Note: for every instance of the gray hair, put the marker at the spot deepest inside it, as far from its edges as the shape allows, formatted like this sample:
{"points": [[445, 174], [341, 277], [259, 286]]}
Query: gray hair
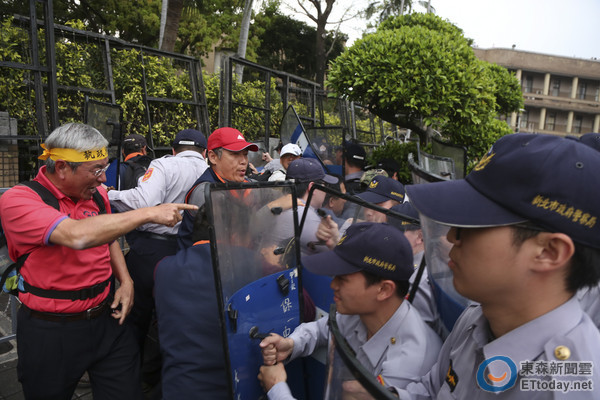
{"points": [[218, 152], [75, 136]]}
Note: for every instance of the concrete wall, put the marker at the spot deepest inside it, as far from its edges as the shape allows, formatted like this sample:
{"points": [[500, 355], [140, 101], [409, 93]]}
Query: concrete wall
{"points": [[565, 66]]}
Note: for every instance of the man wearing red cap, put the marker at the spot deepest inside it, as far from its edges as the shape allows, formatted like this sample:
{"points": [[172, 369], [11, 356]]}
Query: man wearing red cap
{"points": [[228, 160]]}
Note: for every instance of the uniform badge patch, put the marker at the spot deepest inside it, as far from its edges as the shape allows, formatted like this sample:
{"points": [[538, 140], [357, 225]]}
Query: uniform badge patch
{"points": [[451, 378], [148, 174]]}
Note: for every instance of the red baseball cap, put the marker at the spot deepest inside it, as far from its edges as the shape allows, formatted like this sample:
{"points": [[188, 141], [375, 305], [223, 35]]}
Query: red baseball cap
{"points": [[230, 139]]}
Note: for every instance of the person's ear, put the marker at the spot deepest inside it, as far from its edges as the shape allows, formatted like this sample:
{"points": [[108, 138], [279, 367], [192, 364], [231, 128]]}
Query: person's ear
{"points": [[62, 168], [554, 250], [387, 289], [420, 239], [212, 157]]}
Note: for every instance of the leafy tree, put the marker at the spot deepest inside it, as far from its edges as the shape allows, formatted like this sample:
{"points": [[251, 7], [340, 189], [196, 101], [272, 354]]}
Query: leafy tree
{"points": [[211, 92], [508, 93], [319, 11], [419, 71], [133, 21], [429, 21], [243, 38], [286, 44], [383, 9], [17, 97], [199, 26], [398, 152], [170, 17]]}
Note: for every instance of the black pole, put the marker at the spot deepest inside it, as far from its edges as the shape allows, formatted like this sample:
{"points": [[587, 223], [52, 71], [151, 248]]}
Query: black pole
{"points": [[415, 285]]}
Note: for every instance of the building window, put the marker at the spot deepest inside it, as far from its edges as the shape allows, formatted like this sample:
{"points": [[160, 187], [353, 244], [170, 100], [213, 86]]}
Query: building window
{"points": [[524, 119], [597, 96], [577, 124], [550, 121], [582, 90], [555, 87], [528, 84]]}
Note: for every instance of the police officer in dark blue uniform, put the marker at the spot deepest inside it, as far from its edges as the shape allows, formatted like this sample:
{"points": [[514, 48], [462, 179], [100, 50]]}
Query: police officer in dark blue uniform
{"points": [[188, 322]]}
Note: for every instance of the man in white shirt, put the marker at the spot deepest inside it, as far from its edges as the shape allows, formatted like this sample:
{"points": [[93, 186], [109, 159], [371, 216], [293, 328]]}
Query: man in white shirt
{"points": [[289, 153]]}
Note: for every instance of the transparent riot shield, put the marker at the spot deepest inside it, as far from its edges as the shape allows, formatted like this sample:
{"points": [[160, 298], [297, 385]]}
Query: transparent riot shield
{"points": [[255, 157], [315, 210], [318, 286], [292, 131], [256, 273], [326, 141], [449, 303], [347, 379]]}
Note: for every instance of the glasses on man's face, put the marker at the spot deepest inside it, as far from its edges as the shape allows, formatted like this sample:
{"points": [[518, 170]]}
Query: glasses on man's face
{"points": [[99, 171]]}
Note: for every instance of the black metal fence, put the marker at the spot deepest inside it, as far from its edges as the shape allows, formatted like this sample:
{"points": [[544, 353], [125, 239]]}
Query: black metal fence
{"points": [[273, 91], [49, 72]]}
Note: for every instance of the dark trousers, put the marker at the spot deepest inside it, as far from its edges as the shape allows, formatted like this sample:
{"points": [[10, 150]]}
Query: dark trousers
{"points": [[144, 253], [54, 355]]}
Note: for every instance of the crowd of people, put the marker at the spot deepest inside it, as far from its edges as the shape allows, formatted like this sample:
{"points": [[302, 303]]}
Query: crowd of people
{"points": [[520, 233]]}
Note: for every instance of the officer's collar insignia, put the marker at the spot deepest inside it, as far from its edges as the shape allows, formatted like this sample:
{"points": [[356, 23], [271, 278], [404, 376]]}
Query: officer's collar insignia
{"points": [[451, 378]]}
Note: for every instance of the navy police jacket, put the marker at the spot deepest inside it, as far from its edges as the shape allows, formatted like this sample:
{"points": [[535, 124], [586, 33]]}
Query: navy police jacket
{"points": [[184, 235], [188, 326]]}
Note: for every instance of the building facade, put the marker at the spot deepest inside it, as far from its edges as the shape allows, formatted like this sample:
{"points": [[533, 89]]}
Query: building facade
{"points": [[561, 94]]}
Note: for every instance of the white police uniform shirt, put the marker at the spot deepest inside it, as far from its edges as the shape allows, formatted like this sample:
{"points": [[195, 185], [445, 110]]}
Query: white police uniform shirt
{"points": [[272, 165], [424, 301], [278, 175], [565, 336], [400, 352], [283, 229], [589, 298], [167, 180]]}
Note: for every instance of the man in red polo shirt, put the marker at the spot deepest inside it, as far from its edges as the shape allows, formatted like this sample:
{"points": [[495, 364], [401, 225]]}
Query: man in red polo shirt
{"points": [[72, 318]]}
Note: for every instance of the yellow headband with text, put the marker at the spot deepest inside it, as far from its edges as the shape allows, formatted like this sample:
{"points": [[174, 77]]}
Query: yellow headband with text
{"points": [[72, 155]]}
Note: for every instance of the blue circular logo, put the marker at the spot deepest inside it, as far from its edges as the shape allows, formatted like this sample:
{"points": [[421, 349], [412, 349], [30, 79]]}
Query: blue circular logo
{"points": [[497, 384]]}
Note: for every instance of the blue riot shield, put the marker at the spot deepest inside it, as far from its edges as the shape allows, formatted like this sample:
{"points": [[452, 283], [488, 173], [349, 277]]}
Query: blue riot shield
{"points": [[256, 277]]}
